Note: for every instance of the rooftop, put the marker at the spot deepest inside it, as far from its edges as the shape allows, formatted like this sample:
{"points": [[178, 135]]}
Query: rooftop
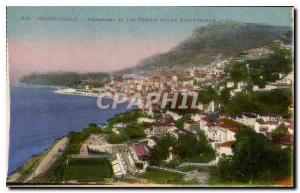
{"points": [[140, 150], [227, 144]]}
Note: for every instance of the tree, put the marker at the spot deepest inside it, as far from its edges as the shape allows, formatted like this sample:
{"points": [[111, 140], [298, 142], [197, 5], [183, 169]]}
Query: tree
{"points": [[160, 151], [225, 95], [281, 129], [207, 95], [255, 159], [260, 120], [276, 102]]}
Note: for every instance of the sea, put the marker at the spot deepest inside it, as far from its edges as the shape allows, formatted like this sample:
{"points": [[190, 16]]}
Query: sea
{"points": [[39, 116]]}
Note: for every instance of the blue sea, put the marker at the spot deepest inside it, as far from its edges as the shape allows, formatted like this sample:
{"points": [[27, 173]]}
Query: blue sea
{"points": [[38, 117]]}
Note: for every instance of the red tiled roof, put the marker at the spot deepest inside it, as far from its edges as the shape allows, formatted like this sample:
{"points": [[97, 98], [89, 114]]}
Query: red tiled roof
{"points": [[140, 150], [227, 144]]}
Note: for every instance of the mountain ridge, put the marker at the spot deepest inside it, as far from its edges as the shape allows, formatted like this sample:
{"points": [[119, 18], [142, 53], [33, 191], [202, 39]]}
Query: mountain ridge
{"points": [[216, 41]]}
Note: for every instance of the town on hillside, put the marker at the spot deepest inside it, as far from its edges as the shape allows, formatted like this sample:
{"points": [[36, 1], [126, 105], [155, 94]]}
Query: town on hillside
{"points": [[242, 131]]}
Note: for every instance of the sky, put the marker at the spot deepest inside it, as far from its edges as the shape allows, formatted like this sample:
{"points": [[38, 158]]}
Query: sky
{"points": [[36, 44]]}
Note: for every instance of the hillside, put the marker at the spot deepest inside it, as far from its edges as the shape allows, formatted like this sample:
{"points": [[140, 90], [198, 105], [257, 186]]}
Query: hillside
{"points": [[70, 79], [216, 41]]}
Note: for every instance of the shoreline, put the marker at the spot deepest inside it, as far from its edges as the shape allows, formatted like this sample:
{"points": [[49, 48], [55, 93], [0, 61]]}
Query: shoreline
{"points": [[70, 91], [15, 176]]}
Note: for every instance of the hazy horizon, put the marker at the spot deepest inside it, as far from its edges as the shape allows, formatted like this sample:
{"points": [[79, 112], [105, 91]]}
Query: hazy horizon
{"points": [[84, 46]]}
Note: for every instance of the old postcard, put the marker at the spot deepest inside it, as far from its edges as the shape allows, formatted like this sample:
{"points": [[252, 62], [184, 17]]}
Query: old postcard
{"points": [[151, 96]]}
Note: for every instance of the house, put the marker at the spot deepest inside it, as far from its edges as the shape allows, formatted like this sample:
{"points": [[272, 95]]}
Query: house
{"points": [[230, 84], [269, 117], [225, 148], [116, 130], [149, 131], [120, 125], [266, 127], [173, 154], [192, 126], [222, 132], [247, 119], [152, 140], [176, 133], [145, 120], [140, 151]]}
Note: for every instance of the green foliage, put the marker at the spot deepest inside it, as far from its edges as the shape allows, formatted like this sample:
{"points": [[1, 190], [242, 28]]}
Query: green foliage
{"points": [[131, 131], [117, 138], [190, 168], [160, 151], [26, 170], [127, 117], [81, 170], [69, 79], [88, 169], [180, 122], [193, 149], [281, 129], [164, 177], [260, 120], [263, 70], [276, 101], [55, 173], [76, 139], [224, 95], [254, 159], [207, 95], [238, 72]]}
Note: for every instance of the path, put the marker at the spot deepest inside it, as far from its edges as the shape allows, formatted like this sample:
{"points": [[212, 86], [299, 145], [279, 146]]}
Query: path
{"points": [[53, 154]]}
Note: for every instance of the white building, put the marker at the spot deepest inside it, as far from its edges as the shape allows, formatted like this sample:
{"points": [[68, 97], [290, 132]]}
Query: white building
{"points": [[230, 84], [266, 127], [152, 141], [226, 148]]}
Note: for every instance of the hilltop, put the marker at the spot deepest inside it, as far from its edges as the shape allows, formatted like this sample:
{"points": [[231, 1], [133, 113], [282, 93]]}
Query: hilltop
{"points": [[214, 42]]}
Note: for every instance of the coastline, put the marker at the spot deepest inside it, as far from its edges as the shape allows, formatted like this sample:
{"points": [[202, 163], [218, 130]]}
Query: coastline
{"points": [[16, 175], [33, 165], [70, 91]]}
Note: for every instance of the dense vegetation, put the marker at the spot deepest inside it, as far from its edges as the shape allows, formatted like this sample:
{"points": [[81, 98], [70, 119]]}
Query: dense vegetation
{"points": [[88, 169], [160, 151], [92, 170], [272, 102], [255, 159], [131, 130], [281, 129], [77, 138], [127, 117], [191, 149], [264, 69], [69, 79], [63, 170]]}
